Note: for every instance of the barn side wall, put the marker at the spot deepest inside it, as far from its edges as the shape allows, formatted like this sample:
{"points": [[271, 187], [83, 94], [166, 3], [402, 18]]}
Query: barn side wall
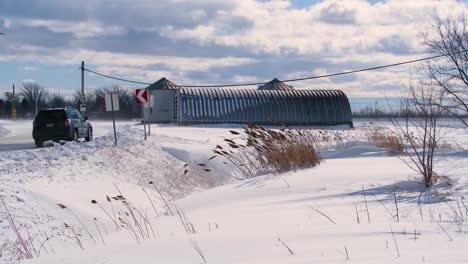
{"points": [[266, 107]]}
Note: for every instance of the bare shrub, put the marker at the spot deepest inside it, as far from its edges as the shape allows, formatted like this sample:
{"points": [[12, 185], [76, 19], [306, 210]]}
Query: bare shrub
{"points": [[421, 135]]}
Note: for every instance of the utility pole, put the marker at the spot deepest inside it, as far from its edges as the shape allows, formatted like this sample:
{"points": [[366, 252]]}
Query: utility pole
{"points": [[82, 80], [82, 101], [13, 104]]}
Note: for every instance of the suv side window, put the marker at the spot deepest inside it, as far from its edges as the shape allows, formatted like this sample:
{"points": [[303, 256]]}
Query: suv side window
{"points": [[78, 114], [69, 113], [73, 114]]}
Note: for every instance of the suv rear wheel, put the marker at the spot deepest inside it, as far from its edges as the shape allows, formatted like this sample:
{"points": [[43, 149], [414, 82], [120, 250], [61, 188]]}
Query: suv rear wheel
{"points": [[90, 135], [75, 135], [39, 143]]}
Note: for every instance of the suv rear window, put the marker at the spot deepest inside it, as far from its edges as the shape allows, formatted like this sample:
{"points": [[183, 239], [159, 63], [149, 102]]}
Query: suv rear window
{"points": [[50, 116]]}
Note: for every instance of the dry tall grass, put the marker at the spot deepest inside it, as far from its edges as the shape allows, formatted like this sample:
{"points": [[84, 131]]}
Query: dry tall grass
{"points": [[26, 246], [386, 139], [258, 149], [283, 150]]}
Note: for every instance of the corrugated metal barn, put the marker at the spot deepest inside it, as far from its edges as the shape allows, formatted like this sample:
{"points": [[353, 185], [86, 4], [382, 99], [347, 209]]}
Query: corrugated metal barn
{"points": [[273, 103]]}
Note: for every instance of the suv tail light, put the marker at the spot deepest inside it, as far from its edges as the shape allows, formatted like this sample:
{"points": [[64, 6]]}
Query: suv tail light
{"points": [[67, 122]]}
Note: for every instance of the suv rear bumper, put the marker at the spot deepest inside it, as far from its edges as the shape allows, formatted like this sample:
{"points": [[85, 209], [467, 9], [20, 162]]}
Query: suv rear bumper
{"points": [[44, 136]]}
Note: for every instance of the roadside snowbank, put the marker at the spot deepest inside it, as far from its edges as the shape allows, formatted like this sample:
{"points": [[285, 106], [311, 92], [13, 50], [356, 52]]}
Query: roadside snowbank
{"points": [[35, 181]]}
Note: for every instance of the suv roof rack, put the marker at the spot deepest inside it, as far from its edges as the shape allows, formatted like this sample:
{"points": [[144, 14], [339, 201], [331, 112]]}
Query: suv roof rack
{"points": [[59, 108]]}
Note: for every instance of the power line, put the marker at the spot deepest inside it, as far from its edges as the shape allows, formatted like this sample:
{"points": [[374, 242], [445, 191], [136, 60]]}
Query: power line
{"points": [[372, 68], [292, 80], [70, 73], [115, 78]]}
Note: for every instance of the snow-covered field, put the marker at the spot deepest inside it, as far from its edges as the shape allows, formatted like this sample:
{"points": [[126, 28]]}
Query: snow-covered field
{"points": [[317, 215]]}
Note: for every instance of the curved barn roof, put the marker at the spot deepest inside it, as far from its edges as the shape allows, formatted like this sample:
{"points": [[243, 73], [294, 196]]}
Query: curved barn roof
{"points": [[275, 84], [163, 84], [276, 106]]}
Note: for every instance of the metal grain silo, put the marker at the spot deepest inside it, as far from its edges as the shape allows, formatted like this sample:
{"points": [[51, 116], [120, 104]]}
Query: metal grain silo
{"points": [[161, 104]]}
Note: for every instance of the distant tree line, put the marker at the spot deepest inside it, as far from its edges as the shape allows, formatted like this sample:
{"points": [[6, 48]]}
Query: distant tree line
{"points": [[33, 97], [401, 111]]}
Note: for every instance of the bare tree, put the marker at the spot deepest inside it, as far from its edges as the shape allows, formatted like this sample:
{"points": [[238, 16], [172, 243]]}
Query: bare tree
{"points": [[8, 96], [420, 135], [57, 100], [35, 94], [449, 37], [88, 99]]}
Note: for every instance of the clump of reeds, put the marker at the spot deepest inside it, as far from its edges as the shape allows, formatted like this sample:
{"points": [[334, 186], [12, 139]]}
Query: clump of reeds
{"points": [[134, 220], [258, 149], [91, 236], [26, 246], [386, 139]]}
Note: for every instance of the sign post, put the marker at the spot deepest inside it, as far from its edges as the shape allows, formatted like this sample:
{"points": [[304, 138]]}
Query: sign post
{"points": [[141, 97], [13, 104], [150, 114], [112, 104], [144, 127]]}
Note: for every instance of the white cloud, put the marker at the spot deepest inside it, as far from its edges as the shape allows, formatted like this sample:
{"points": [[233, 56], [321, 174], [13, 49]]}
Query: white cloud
{"points": [[329, 27], [173, 63], [6, 23], [28, 68], [243, 79], [80, 29]]}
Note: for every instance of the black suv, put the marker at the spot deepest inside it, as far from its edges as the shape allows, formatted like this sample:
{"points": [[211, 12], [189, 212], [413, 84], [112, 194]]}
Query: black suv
{"points": [[60, 124]]}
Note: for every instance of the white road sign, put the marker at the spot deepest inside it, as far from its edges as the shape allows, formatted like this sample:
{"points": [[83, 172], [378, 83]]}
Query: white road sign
{"points": [[112, 102], [150, 102]]}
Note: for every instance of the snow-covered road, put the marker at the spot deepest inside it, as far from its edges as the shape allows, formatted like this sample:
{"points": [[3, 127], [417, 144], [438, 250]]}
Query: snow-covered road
{"points": [[17, 135]]}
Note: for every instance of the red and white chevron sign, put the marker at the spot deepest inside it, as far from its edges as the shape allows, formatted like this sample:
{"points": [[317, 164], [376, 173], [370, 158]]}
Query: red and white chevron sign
{"points": [[141, 96]]}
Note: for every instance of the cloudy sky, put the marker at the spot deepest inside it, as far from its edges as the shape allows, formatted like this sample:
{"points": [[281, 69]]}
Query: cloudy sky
{"points": [[212, 41]]}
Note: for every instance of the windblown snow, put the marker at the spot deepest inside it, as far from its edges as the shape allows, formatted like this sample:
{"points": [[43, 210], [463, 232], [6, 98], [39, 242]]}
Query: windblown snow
{"points": [[3, 131], [342, 210]]}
